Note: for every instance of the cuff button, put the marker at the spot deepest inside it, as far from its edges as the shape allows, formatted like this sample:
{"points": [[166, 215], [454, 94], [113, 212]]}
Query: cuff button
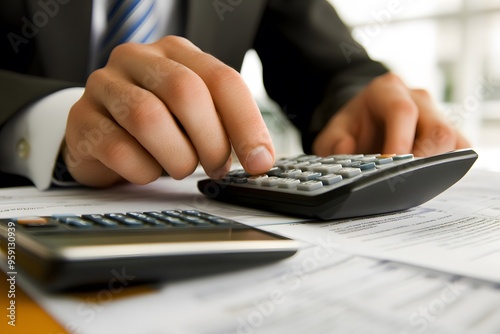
{"points": [[23, 149]]}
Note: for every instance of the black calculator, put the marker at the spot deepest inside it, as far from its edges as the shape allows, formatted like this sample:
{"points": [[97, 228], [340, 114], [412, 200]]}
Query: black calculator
{"points": [[342, 186], [71, 251]]}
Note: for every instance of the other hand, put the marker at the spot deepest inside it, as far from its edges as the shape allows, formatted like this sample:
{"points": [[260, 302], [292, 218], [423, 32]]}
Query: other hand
{"points": [[388, 117]]}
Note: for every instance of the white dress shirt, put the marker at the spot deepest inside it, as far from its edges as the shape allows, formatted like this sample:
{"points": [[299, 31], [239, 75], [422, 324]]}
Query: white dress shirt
{"points": [[32, 138]]}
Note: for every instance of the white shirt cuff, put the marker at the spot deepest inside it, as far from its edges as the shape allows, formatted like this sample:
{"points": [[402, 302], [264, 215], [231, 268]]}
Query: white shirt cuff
{"points": [[31, 139]]}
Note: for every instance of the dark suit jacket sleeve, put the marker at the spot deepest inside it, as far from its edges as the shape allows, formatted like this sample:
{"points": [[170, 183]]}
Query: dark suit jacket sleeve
{"points": [[19, 90], [312, 66]]}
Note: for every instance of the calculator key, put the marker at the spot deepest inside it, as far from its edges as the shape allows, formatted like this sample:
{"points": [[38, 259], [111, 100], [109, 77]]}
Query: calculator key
{"points": [[281, 163], [383, 161], [311, 166], [63, 217], [299, 165], [306, 176], [240, 180], [329, 179], [194, 213], [256, 179], [125, 220], [402, 157], [145, 218], [348, 172], [328, 168], [208, 218], [274, 171], [368, 159], [173, 213], [363, 165], [344, 162], [291, 173], [287, 165], [220, 221], [309, 158], [197, 221], [237, 173], [35, 222], [171, 220], [339, 156], [355, 156], [101, 220], [288, 183], [310, 185], [177, 222], [78, 222], [271, 181], [227, 179]]}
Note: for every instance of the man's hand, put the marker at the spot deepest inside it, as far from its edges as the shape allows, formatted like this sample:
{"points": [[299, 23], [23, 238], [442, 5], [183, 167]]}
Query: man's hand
{"points": [[388, 117], [163, 106]]}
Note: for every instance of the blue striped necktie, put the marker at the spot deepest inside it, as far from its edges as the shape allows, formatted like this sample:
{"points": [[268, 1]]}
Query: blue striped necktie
{"points": [[128, 21]]}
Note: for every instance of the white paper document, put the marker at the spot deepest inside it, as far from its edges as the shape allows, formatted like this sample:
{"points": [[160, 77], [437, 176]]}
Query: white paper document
{"points": [[457, 232], [319, 290]]}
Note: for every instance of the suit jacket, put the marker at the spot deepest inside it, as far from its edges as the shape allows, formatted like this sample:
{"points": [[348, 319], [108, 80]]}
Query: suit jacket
{"points": [[311, 64]]}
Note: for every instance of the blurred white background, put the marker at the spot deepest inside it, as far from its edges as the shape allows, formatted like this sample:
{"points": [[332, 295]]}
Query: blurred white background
{"points": [[449, 47]]}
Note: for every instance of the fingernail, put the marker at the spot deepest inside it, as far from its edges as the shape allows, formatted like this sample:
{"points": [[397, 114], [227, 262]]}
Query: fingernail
{"points": [[221, 172], [259, 160]]}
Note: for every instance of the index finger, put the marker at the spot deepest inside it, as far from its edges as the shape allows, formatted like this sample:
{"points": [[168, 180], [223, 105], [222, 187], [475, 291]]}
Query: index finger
{"points": [[233, 101], [391, 101]]}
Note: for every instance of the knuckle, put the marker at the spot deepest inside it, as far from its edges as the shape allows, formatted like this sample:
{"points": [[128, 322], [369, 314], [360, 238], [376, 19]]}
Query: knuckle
{"points": [[117, 151], [442, 133], [76, 110], [111, 87], [407, 107], [421, 94], [225, 77], [122, 50], [187, 84], [146, 113], [390, 77], [125, 101], [183, 168], [172, 42], [97, 77]]}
